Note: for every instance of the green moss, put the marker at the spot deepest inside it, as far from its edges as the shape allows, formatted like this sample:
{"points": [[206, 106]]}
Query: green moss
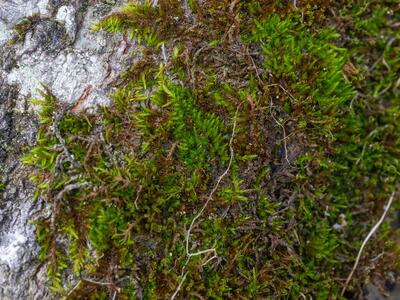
{"points": [[2, 185], [23, 27], [315, 142]]}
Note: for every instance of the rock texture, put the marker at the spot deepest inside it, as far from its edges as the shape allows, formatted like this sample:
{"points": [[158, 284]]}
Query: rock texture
{"points": [[57, 49]]}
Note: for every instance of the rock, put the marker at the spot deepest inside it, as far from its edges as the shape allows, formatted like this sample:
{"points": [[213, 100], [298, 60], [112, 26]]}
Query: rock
{"points": [[18, 248], [49, 37], [60, 51], [66, 14]]}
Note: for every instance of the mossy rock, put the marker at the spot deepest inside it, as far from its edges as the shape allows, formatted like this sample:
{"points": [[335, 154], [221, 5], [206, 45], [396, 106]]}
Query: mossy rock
{"points": [[246, 156]]}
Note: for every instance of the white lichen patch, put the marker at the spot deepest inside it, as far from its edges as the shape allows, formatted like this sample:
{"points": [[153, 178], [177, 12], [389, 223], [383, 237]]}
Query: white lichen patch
{"points": [[87, 65], [66, 14], [10, 246], [67, 76], [13, 11], [5, 33]]}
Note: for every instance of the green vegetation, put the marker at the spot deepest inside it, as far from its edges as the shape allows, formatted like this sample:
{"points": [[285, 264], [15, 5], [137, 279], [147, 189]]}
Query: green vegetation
{"points": [[246, 156], [23, 27]]}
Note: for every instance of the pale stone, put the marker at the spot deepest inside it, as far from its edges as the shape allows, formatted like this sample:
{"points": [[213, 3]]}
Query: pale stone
{"points": [[62, 52]]}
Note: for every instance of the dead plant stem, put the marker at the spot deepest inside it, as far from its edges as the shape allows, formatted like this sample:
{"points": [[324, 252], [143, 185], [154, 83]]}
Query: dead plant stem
{"points": [[200, 213], [367, 238]]}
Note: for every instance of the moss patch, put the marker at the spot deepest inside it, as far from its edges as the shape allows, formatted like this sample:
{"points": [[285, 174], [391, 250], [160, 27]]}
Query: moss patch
{"points": [[245, 156]]}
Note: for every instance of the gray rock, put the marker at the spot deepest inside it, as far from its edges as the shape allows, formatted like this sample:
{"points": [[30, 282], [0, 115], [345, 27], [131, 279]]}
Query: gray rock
{"points": [[61, 51], [18, 249], [49, 37]]}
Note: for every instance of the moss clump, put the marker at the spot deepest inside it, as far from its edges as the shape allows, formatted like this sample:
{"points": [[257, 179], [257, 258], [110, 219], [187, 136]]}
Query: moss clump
{"points": [[237, 167], [23, 27]]}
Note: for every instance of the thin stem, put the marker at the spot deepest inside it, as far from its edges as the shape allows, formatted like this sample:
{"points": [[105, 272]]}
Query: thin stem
{"points": [[373, 230], [200, 213]]}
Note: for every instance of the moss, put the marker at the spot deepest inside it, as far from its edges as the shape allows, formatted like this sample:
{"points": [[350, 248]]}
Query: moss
{"points": [[297, 118], [23, 27], [2, 185]]}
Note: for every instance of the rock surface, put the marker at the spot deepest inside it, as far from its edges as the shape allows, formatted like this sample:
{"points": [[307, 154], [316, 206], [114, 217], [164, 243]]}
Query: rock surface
{"points": [[57, 49]]}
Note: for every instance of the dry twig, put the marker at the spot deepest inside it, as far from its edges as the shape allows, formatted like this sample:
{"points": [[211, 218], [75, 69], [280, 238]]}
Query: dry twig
{"points": [[73, 289], [283, 132], [179, 286], [108, 284], [370, 234], [200, 213], [209, 198]]}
